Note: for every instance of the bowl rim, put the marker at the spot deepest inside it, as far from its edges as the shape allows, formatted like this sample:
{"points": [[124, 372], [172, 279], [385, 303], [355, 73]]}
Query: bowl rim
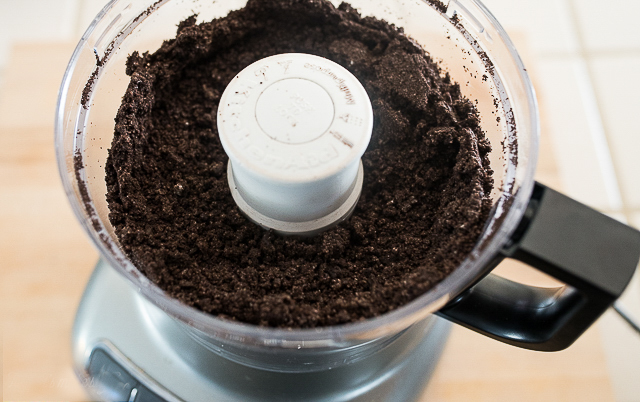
{"points": [[513, 203]]}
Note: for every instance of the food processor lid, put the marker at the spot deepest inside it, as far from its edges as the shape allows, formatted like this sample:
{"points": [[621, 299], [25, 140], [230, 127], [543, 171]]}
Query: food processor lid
{"points": [[294, 127]]}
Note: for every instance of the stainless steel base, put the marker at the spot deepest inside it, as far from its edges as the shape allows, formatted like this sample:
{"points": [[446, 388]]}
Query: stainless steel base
{"points": [[125, 348]]}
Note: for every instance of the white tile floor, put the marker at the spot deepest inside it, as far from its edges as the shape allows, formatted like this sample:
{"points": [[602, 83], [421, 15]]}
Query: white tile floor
{"points": [[576, 132], [587, 59], [608, 26], [48, 20], [617, 86], [548, 23]]}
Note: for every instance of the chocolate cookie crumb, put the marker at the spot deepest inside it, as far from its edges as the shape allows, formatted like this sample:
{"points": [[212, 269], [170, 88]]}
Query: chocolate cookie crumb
{"points": [[426, 189]]}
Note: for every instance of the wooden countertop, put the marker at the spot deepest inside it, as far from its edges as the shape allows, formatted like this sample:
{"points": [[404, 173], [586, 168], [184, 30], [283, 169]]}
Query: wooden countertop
{"points": [[46, 259]]}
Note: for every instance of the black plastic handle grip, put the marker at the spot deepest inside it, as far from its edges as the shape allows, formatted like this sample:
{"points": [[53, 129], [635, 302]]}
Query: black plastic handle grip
{"points": [[594, 255]]}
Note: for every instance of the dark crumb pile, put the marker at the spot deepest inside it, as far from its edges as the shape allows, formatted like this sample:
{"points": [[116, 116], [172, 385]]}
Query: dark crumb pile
{"points": [[426, 189]]}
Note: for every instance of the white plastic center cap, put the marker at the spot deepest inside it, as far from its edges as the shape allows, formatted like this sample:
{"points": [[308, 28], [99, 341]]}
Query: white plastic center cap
{"points": [[294, 111], [295, 127]]}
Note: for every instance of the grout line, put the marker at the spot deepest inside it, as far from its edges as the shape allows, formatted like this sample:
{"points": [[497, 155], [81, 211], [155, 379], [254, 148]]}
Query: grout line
{"points": [[599, 136], [613, 53], [595, 108], [557, 55], [588, 54]]}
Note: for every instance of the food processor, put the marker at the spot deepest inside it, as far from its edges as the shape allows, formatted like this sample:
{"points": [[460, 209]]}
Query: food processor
{"points": [[133, 342]]}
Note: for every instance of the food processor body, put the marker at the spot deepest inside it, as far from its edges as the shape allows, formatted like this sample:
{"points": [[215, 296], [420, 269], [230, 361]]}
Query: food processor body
{"points": [[132, 341], [123, 345]]}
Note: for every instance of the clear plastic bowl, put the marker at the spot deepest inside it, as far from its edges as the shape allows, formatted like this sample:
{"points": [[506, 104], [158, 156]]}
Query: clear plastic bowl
{"points": [[468, 43]]}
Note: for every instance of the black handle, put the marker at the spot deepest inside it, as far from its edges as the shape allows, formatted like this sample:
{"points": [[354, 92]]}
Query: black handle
{"points": [[594, 255]]}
